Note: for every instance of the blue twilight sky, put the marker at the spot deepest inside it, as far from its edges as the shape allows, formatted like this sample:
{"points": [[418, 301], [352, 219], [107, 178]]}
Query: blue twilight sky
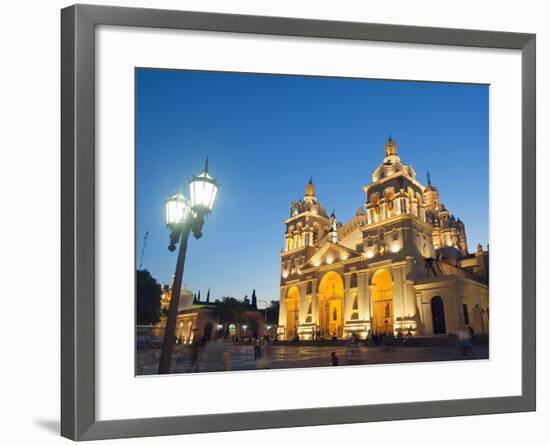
{"points": [[265, 135]]}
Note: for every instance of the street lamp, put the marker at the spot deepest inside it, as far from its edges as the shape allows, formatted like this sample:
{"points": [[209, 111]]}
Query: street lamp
{"points": [[203, 191], [182, 217], [265, 310], [178, 213]]}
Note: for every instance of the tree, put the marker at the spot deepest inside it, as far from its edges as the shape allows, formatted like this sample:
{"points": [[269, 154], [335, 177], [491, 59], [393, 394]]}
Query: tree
{"points": [[252, 325], [148, 293], [273, 312], [199, 297], [231, 310], [208, 296], [254, 300]]}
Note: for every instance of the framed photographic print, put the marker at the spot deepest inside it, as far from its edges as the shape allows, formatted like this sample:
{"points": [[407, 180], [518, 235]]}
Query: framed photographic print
{"points": [[336, 217]]}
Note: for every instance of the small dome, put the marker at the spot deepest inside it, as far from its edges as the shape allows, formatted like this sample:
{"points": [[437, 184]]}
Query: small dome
{"points": [[186, 299]]}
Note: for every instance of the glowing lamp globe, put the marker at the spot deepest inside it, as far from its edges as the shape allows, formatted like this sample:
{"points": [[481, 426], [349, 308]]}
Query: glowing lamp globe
{"points": [[178, 209], [203, 188]]}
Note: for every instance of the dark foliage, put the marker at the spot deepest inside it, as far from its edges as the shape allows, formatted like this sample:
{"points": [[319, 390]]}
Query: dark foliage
{"points": [[148, 298]]}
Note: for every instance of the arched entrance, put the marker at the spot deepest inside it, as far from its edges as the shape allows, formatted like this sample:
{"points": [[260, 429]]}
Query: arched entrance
{"points": [[331, 297], [292, 312], [189, 331], [180, 335], [382, 302], [438, 315]]}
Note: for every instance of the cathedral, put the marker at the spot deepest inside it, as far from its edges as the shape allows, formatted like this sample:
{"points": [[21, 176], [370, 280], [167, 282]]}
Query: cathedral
{"points": [[400, 264]]}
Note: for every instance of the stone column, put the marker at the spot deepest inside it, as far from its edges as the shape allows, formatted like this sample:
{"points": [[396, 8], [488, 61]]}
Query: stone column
{"points": [[414, 207], [477, 319], [347, 297], [371, 288], [303, 302], [314, 301], [452, 307], [421, 327], [282, 307], [363, 296], [383, 211], [399, 293]]}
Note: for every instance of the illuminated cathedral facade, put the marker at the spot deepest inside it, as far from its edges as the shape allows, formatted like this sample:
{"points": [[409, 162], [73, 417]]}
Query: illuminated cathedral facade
{"points": [[400, 264]]}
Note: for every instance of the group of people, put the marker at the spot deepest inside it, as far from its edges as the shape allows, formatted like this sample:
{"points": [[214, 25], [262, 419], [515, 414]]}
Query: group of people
{"points": [[378, 338], [318, 335]]}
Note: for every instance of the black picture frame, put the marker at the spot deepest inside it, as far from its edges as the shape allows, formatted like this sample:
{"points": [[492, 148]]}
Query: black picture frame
{"points": [[78, 23]]}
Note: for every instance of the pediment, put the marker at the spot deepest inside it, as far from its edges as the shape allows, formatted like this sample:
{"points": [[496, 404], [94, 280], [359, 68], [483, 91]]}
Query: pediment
{"points": [[331, 253]]}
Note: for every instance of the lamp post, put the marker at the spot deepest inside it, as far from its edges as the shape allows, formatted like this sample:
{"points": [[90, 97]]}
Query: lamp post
{"points": [[183, 216], [265, 310]]}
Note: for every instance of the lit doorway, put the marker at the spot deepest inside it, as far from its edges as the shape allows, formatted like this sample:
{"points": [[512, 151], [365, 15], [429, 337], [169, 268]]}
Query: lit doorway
{"points": [[331, 299], [292, 312], [382, 302]]}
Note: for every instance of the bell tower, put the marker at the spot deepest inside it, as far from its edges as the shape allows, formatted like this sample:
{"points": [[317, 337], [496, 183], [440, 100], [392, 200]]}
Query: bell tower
{"points": [[449, 233]]}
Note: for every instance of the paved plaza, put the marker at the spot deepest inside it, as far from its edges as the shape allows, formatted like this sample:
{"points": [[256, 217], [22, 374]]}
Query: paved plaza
{"points": [[228, 356]]}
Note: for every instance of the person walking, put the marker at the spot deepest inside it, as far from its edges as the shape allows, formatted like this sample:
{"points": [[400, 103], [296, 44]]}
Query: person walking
{"points": [[333, 359], [464, 338], [257, 348], [195, 355]]}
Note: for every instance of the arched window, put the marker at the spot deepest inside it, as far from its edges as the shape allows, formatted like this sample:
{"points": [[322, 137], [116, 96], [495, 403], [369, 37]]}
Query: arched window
{"points": [[309, 312], [189, 335], [354, 306], [181, 335]]}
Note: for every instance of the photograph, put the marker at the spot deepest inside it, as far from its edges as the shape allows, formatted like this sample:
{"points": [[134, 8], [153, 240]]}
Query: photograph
{"points": [[298, 221]]}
